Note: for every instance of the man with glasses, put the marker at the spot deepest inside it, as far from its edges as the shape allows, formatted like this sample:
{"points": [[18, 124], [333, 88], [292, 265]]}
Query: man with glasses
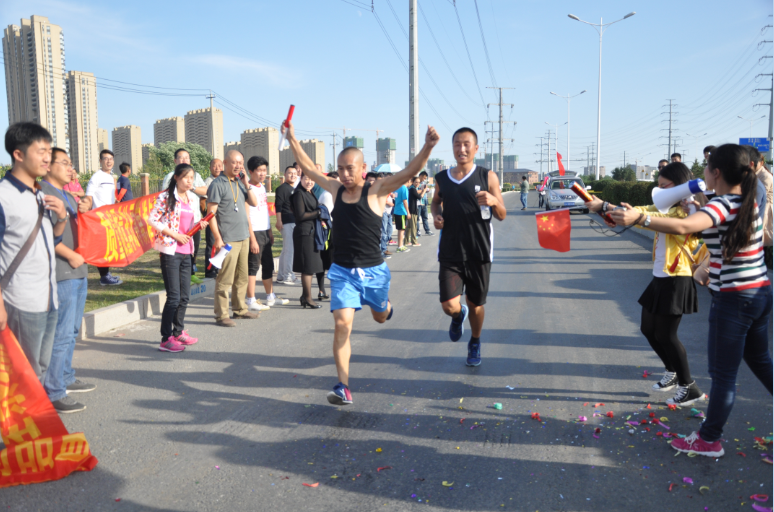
{"points": [[71, 282]]}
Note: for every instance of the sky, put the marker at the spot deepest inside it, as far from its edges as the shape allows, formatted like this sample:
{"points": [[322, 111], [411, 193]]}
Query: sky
{"points": [[333, 60]]}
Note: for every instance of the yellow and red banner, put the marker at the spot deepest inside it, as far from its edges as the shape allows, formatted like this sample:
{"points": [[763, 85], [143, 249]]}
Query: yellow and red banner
{"points": [[115, 235], [38, 447]]}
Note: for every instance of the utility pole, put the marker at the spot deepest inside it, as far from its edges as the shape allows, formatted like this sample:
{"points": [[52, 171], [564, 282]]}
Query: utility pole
{"points": [[413, 82], [491, 151], [501, 105], [212, 124], [333, 157], [671, 113]]}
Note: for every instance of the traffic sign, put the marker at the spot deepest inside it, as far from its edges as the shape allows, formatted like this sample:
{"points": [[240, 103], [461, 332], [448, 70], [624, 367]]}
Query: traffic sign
{"points": [[762, 144]]}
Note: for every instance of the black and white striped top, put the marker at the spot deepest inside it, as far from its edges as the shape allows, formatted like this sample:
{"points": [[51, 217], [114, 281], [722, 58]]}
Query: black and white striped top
{"points": [[746, 270]]}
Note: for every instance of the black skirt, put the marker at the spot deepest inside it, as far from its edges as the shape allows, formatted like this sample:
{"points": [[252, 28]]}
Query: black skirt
{"points": [[670, 296], [306, 257]]}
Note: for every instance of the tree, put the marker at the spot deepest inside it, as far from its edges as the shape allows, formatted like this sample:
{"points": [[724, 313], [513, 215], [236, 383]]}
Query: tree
{"points": [[697, 169], [330, 168], [153, 166], [200, 158], [624, 174]]}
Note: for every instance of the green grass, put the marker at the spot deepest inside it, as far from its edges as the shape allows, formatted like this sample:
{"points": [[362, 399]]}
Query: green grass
{"points": [[142, 277]]}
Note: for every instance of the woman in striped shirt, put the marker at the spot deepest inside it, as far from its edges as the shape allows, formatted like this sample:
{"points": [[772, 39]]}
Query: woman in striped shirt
{"points": [[741, 291]]}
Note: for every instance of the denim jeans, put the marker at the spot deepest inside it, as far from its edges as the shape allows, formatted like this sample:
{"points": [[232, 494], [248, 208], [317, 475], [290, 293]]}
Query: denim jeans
{"points": [[176, 272], [386, 229], [60, 374], [524, 200], [35, 332], [738, 329], [422, 213], [285, 270]]}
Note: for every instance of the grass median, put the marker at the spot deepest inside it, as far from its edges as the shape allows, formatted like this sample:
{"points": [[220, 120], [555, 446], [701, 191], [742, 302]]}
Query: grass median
{"points": [[142, 277]]}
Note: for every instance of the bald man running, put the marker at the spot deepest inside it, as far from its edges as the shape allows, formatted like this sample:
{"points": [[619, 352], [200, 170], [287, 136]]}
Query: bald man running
{"points": [[358, 274]]}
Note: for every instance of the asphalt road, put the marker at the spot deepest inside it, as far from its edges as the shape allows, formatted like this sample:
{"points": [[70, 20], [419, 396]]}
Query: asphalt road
{"points": [[240, 421]]}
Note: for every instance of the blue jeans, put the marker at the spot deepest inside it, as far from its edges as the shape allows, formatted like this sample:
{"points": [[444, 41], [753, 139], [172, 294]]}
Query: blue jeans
{"points": [[524, 200], [176, 272], [738, 329], [72, 301], [386, 230], [35, 332], [422, 213]]}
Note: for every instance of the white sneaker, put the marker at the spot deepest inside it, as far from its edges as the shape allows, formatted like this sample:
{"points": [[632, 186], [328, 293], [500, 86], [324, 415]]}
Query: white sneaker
{"points": [[277, 300], [257, 306]]}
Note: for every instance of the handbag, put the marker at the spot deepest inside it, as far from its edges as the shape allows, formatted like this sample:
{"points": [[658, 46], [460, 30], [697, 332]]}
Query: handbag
{"points": [[23, 251], [699, 263]]}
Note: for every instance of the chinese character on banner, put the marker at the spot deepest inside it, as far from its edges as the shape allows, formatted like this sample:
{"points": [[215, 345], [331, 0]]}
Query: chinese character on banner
{"points": [[38, 447]]}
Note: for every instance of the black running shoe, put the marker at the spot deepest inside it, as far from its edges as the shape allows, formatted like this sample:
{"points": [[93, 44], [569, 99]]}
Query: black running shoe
{"points": [[686, 395]]}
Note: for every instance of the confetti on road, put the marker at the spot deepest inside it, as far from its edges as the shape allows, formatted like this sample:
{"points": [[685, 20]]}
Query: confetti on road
{"points": [[311, 485]]}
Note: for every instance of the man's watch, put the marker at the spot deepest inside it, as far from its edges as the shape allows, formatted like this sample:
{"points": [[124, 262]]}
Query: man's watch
{"points": [[59, 221], [647, 221]]}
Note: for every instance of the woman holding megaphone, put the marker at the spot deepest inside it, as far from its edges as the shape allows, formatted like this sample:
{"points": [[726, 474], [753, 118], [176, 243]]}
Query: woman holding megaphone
{"points": [[741, 291], [671, 293]]}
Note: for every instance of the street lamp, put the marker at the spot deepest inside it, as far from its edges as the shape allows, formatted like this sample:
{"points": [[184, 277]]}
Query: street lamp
{"points": [[556, 142], [601, 29], [751, 121], [696, 137], [568, 98]]}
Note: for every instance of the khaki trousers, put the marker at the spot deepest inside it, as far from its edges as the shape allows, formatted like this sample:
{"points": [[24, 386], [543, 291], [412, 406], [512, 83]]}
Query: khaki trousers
{"points": [[233, 276], [411, 229]]}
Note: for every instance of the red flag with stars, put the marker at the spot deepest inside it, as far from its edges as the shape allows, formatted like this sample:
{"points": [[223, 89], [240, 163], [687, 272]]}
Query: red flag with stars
{"points": [[553, 230]]}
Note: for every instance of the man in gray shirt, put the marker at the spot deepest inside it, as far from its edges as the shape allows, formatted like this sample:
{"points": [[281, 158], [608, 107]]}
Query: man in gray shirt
{"points": [[226, 197], [71, 272], [28, 301]]}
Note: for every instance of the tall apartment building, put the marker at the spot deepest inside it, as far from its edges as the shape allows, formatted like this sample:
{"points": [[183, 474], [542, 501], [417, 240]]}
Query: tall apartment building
{"points": [[82, 109], [205, 127], [262, 142], [434, 166], [385, 151], [103, 141], [35, 82], [356, 142], [171, 129], [314, 148], [127, 146], [228, 146]]}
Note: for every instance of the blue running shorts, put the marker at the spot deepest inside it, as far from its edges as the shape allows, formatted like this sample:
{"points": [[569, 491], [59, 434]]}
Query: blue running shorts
{"points": [[353, 287]]}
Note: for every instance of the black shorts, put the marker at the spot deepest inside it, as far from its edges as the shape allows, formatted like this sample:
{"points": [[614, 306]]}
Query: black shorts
{"points": [[263, 259], [400, 222], [473, 276]]}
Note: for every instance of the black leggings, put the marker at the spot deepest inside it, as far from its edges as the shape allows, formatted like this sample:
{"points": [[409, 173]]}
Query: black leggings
{"points": [[661, 333]]}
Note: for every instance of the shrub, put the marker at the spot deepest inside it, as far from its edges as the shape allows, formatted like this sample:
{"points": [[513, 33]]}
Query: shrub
{"points": [[635, 193]]}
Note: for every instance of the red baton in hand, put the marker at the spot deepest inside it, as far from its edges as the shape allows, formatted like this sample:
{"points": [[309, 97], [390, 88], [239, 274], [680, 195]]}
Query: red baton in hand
{"points": [[285, 124], [198, 225]]}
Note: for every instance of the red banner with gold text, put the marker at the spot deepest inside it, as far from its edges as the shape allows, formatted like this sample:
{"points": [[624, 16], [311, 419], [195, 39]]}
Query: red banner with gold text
{"points": [[38, 447], [115, 235]]}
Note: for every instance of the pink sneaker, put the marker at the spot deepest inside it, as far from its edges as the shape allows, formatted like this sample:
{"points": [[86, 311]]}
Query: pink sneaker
{"points": [[392, 242], [171, 345], [697, 445], [185, 339]]}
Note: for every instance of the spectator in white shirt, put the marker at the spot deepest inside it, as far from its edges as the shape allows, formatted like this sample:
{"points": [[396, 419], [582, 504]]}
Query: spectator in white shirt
{"points": [[102, 190]]}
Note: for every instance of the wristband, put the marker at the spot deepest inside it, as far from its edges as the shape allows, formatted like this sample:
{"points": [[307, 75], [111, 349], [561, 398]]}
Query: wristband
{"points": [[637, 222]]}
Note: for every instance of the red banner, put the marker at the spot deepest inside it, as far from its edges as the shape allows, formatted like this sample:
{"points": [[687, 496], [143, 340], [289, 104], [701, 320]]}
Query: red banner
{"points": [[115, 235], [38, 447]]}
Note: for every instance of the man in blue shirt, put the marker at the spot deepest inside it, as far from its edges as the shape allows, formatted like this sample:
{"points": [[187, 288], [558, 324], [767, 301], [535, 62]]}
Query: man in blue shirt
{"points": [[401, 214], [123, 187]]}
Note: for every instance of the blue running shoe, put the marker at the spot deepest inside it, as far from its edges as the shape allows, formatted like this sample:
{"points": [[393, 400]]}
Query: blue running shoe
{"points": [[110, 280], [474, 353], [457, 327], [340, 395]]}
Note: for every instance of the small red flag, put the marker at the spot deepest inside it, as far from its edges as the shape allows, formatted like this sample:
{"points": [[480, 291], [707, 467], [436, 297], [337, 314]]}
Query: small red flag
{"points": [[554, 230], [559, 161]]}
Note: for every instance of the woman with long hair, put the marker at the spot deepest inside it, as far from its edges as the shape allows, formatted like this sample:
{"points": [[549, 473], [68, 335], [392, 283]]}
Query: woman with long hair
{"points": [[306, 257], [740, 287], [172, 217], [326, 255], [670, 294]]}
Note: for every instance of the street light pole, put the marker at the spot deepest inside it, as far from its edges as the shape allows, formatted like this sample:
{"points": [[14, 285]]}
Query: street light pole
{"points": [[751, 121], [568, 98], [601, 27]]}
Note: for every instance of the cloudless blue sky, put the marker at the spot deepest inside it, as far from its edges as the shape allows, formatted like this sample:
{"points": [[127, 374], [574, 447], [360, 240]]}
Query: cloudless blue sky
{"points": [[332, 60]]}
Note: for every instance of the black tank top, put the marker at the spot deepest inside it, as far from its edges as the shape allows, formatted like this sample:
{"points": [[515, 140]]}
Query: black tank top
{"points": [[357, 233], [466, 236]]}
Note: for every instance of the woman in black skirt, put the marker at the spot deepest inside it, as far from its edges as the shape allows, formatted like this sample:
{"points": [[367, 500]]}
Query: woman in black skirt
{"points": [[306, 257], [671, 294]]}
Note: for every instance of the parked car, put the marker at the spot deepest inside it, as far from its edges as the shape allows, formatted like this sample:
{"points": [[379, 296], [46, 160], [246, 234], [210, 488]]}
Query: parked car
{"points": [[560, 195]]}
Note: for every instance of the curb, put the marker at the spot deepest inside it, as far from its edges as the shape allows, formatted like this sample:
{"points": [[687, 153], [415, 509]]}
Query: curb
{"points": [[130, 311]]}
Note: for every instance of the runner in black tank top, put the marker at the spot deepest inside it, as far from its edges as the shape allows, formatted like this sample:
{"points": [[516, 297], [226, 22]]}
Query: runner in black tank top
{"points": [[358, 274], [466, 198]]}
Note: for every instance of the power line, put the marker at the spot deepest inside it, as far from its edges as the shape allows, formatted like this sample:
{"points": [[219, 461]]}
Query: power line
{"points": [[486, 50], [467, 50]]}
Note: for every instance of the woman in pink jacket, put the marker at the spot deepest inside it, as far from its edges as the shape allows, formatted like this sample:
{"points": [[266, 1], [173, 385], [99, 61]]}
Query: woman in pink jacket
{"points": [[172, 217]]}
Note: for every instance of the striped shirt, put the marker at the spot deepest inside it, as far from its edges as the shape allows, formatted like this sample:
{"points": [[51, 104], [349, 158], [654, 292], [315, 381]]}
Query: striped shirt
{"points": [[747, 269]]}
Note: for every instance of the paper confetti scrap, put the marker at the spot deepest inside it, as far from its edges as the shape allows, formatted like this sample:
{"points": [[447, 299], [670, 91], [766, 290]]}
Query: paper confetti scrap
{"points": [[760, 497], [383, 467], [311, 485], [582, 418], [609, 414], [688, 480], [671, 486], [599, 405], [760, 508], [447, 484], [378, 450], [702, 488]]}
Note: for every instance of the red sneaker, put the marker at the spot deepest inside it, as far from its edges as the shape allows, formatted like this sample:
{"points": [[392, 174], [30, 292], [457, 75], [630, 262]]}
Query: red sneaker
{"points": [[697, 445], [185, 339]]}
